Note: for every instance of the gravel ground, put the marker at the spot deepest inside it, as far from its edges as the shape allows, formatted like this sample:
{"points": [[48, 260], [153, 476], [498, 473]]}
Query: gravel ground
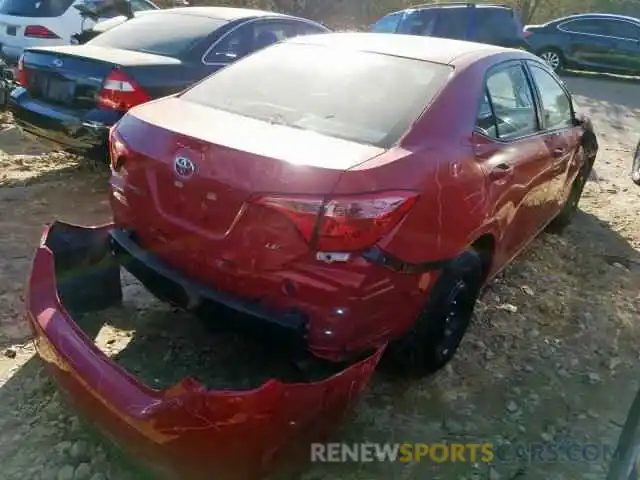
{"points": [[551, 356]]}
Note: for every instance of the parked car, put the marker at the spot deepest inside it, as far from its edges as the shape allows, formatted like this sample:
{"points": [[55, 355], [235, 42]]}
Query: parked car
{"points": [[72, 94], [485, 23], [40, 23], [289, 189], [595, 41], [625, 464], [310, 192]]}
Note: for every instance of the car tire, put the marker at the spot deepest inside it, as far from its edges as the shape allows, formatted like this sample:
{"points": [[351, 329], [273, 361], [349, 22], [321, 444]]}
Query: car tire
{"points": [[564, 217], [435, 336], [553, 57]]}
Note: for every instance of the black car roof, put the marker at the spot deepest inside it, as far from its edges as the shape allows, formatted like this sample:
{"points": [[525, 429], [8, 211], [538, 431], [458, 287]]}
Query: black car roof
{"points": [[456, 5], [593, 16], [223, 13]]}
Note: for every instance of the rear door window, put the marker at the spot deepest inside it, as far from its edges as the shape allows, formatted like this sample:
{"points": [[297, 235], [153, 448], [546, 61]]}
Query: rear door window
{"points": [[494, 24], [388, 24], [419, 22], [621, 29], [556, 104], [34, 8], [511, 100], [453, 23]]}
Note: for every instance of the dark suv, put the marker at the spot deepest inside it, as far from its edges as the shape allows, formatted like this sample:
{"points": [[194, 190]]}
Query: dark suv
{"points": [[484, 23], [593, 41]]}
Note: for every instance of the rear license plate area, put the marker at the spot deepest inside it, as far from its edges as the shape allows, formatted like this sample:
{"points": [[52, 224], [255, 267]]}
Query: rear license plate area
{"points": [[60, 91], [55, 89], [12, 30]]}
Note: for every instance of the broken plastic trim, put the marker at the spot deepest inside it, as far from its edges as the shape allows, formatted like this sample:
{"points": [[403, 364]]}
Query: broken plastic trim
{"points": [[184, 431], [385, 259]]}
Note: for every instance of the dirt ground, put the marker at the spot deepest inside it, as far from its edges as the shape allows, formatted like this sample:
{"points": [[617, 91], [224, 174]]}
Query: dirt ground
{"points": [[552, 356]]}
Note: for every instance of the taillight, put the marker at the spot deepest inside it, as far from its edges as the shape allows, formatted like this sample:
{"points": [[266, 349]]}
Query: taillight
{"points": [[118, 150], [526, 33], [120, 92], [346, 223], [21, 72], [39, 31]]}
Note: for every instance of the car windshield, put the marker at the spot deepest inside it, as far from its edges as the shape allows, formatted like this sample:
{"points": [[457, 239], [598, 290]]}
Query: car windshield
{"points": [[169, 34], [34, 8], [357, 96]]}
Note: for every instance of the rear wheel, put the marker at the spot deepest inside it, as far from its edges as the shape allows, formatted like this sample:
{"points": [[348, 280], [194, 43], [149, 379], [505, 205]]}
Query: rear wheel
{"points": [[553, 58], [434, 338]]}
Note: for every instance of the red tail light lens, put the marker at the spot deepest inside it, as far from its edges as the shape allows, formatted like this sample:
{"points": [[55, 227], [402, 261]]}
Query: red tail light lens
{"points": [[39, 31], [526, 33], [118, 150], [21, 72], [120, 92], [345, 223]]}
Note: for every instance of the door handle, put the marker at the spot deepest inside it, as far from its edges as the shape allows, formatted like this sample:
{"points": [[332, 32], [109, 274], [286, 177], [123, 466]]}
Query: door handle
{"points": [[501, 171]]}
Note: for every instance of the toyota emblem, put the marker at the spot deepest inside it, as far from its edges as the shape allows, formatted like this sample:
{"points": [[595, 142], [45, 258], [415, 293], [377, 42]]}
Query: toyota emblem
{"points": [[184, 167], [57, 63]]}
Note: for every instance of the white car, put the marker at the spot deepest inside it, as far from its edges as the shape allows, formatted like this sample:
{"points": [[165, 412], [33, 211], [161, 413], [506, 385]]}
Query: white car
{"points": [[40, 23]]}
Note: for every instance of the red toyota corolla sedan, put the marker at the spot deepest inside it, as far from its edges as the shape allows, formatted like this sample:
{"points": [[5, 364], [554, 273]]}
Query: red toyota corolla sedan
{"points": [[353, 189]]}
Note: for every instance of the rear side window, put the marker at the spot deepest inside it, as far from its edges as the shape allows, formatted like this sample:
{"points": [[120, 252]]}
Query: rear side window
{"points": [[419, 22], [388, 24], [358, 96], [169, 34], [507, 110], [621, 29], [34, 8], [493, 24], [453, 23], [585, 26]]}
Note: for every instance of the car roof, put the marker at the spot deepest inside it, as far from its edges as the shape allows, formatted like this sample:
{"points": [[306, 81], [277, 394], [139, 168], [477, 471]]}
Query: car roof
{"points": [[592, 16], [432, 49], [494, 6], [223, 13]]}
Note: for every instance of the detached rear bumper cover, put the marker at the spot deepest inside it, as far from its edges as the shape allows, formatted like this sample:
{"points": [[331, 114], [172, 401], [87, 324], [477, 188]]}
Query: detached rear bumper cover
{"points": [[184, 431], [83, 133]]}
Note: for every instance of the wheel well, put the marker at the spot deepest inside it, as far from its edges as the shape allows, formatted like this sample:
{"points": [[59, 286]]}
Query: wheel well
{"points": [[485, 246]]}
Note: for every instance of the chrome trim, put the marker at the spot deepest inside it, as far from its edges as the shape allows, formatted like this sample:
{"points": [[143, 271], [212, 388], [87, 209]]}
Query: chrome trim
{"points": [[246, 22], [635, 40]]}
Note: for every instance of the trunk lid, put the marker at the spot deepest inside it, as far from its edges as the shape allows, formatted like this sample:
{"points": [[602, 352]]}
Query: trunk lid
{"points": [[72, 76], [234, 159]]}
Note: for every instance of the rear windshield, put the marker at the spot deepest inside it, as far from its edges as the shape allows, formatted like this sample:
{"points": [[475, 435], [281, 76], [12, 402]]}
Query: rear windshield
{"points": [[169, 34], [358, 96], [34, 8]]}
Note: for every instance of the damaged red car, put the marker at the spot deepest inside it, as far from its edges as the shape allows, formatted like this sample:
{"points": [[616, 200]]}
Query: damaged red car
{"points": [[350, 193]]}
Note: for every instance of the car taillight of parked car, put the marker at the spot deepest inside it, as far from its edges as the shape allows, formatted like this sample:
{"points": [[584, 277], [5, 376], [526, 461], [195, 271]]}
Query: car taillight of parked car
{"points": [[526, 33], [343, 224], [39, 31], [120, 92], [21, 72], [118, 151]]}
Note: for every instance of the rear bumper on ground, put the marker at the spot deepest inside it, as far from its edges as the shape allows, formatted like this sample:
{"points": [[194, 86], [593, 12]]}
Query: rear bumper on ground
{"points": [[83, 132], [185, 431]]}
